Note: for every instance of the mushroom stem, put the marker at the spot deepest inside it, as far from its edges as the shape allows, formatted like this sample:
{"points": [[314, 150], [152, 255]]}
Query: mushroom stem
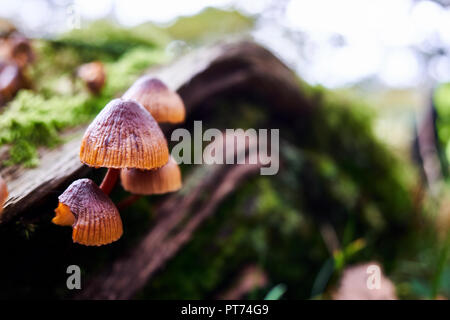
{"points": [[128, 201], [109, 181]]}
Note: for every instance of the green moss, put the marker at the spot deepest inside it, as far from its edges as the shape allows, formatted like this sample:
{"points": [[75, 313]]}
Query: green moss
{"points": [[441, 100], [273, 222], [36, 119], [210, 23], [124, 72], [107, 39]]}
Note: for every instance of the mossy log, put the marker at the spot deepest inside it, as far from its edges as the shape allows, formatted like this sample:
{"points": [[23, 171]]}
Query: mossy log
{"points": [[333, 171], [198, 76]]}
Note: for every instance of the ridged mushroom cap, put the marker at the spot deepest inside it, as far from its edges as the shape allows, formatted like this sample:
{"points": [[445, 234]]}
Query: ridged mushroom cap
{"points": [[164, 104], [124, 135], [93, 216], [3, 193], [156, 181]]}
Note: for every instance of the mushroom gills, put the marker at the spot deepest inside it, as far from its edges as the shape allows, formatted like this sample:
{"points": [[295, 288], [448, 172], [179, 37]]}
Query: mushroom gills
{"points": [[64, 217], [156, 181]]}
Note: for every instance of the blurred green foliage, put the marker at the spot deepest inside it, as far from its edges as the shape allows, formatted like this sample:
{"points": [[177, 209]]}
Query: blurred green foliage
{"points": [[106, 38], [337, 174], [441, 99], [208, 24]]}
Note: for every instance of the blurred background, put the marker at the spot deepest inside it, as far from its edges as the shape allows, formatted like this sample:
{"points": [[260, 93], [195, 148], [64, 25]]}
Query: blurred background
{"points": [[396, 51], [368, 183]]}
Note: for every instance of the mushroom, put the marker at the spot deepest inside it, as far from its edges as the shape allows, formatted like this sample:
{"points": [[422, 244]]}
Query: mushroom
{"points": [[3, 193], [123, 135], [164, 104], [17, 48], [11, 80], [94, 218], [157, 181], [93, 75]]}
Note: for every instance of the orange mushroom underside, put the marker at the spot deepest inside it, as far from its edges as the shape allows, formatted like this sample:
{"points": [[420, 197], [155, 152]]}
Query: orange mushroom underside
{"points": [[64, 217], [93, 216]]}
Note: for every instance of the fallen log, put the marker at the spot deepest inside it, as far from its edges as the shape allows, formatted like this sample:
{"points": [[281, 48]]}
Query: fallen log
{"points": [[198, 76]]}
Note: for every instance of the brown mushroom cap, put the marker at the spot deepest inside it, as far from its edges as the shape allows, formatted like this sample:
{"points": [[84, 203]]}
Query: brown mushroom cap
{"points": [[93, 74], [124, 135], [157, 181], [3, 193], [164, 104], [94, 217]]}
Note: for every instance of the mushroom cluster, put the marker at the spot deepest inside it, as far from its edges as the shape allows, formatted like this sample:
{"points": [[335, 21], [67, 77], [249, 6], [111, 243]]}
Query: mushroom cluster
{"points": [[125, 138]]}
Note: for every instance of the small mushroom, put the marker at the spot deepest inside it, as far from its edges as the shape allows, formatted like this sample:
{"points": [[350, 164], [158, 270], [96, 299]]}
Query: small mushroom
{"points": [[164, 104], [17, 48], [3, 193], [94, 218], [123, 135], [11, 80], [157, 181], [93, 75]]}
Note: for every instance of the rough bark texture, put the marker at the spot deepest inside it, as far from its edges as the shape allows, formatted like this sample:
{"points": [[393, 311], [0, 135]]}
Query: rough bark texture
{"points": [[200, 75]]}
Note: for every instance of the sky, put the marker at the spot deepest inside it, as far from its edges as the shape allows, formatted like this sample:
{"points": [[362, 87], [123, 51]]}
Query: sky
{"points": [[343, 42]]}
